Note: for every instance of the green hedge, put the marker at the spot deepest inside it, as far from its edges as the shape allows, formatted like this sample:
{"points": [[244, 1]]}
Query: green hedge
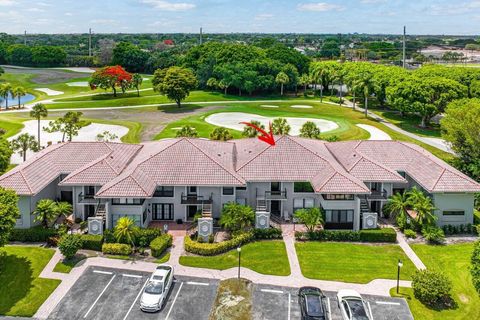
{"points": [[210, 249], [269, 233], [374, 235], [475, 268], [117, 248], [35, 234], [143, 238], [92, 242], [160, 244], [378, 235]]}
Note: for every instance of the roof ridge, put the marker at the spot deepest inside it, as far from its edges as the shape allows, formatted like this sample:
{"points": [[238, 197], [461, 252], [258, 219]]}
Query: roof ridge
{"points": [[377, 163], [327, 180], [439, 177], [26, 181], [141, 187]]}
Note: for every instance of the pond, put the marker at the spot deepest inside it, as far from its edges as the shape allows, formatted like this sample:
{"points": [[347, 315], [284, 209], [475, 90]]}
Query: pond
{"points": [[14, 101]]}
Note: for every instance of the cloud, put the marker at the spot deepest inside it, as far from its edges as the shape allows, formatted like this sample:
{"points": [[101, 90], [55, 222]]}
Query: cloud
{"points": [[169, 6], [372, 1], [104, 21], [320, 7], [263, 16], [69, 14], [7, 3], [452, 9], [35, 10]]}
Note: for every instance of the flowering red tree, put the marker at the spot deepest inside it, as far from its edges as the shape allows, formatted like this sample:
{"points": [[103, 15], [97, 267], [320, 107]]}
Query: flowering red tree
{"points": [[111, 77]]}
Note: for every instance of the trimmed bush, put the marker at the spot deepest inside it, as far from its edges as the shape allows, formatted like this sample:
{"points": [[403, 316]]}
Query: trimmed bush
{"points": [[210, 249], [475, 268], [432, 288], [108, 236], [117, 248], [146, 236], [327, 235], [69, 244], [35, 234], [410, 234], [160, 244], [270, 233], [378, 235], [433, 234], [459, 229], [92, 242]]}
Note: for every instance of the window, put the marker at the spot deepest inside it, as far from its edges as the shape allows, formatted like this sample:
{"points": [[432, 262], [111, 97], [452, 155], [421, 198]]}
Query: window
{"points": [[338, 196], [127, 201], [302, 187], [339, 216], [300, 203], [241, 188], [162, 191], [227, 191], [162, 211], [454, 213]]}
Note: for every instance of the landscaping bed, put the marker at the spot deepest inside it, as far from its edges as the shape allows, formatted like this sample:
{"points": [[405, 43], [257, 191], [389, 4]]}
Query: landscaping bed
{"points": [[348, 262]]}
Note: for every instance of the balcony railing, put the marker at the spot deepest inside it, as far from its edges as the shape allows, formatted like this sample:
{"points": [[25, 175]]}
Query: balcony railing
{"points": [[276, 195], [338, 226], [86, 198], [377, 195], [194, 199]]}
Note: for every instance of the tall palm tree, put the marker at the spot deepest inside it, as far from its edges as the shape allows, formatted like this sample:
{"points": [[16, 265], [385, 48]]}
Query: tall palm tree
{"points": [[339, 78], [45, 211], [38, 112], [304, 81], [250, 132], [367, 84], [5, 90], [424, 208], [126, 231], [23, 143], [317, 76], [282, 79], [187, 131], [19, 92]]}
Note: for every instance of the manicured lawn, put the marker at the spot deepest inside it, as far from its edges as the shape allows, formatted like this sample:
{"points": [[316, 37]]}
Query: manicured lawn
{"points": [[22, 292], [163, 259], [454, 261], [65, 266], [410, 123], [359, 263], [266, 257]]}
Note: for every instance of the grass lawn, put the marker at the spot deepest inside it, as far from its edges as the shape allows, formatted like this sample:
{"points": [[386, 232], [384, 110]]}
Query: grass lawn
{"points": [[22, 292], [358, 263], [65, 266], [266, 257], [410, 123], [163, 259], [454, 261]]}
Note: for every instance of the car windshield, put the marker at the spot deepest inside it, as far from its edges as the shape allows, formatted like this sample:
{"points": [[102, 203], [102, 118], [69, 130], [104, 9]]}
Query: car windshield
{"points": [[314, 305], [154, 287], [357, 309]]}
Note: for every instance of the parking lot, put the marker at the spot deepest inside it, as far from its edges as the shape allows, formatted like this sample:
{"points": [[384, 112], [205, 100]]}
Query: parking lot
{"points": [[113, 294]]}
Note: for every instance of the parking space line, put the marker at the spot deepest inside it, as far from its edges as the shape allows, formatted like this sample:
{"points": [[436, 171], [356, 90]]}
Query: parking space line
{"points": [[272, 291], [329, 309], [174, 300], [102, 272], [135, 301], [197, 283], [99, 296], [289, 303], [370, 309], [388, 303], [132, 276]]}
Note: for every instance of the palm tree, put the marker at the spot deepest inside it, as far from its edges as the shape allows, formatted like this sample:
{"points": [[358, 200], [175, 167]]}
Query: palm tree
{"points": [[398, 204], [424, 208], [63, 209], [23, 143], [304, 81], [126, 231], [317, 76], [221, 133], [250, 132], [366, 83], [310, 130], [282, 79], [5, 90], [137, 80], [45, 212], [19, 92], [355, 85], [187, 131], [280, 126], [38, 112], [339, 78]]}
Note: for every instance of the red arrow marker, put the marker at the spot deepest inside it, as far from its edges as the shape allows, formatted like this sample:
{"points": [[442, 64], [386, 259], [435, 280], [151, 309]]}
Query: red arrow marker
{"points": [[265, 137]]}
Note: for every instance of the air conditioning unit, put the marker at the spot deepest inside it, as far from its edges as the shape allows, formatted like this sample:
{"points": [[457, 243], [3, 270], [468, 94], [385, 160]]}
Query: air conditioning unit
{"points": [[369, 220], [95, 225]]}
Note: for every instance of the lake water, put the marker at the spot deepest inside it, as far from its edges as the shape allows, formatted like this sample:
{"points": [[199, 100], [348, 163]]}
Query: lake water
{"points": [[14, 101]]}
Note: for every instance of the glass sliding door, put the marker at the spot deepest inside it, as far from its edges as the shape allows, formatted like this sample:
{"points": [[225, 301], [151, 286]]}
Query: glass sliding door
{"points": [[162, 211]]}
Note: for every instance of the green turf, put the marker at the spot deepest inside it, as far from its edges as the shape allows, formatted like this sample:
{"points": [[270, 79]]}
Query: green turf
{"points": [[454, 261], [164, 258], [22, 292], [65, 266], [266, 257], [410, 123], [347, 262]]}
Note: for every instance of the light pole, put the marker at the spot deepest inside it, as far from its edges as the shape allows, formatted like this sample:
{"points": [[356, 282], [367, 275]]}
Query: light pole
{"points": [[399, 265], [239, 250]]}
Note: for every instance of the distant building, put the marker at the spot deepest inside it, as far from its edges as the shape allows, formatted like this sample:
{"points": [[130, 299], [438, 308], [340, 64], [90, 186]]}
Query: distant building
{"points": [[168, 42]]}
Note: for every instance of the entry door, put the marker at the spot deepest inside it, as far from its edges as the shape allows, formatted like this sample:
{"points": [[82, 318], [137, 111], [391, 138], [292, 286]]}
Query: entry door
{"points": [[276, 207], [66, 196], [162, 211], [191, 212], [89, 211]]}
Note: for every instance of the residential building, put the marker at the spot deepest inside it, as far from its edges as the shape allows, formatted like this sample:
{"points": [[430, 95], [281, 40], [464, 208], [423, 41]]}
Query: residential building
{"points": [[173, 179]]}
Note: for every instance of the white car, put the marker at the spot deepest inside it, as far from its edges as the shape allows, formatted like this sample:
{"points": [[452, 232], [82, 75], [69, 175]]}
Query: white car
{"points": [[352, 305], [157, 288]]}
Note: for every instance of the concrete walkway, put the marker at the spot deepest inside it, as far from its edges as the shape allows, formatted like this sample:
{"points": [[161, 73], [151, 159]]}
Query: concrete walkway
{"points": [[379, 287], [402, 242]]}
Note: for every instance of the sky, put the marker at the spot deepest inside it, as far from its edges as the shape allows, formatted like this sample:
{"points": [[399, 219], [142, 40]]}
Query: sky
{"points": [[459, 17]]}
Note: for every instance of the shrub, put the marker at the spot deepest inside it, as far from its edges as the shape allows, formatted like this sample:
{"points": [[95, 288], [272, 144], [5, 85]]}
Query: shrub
{"points": [[53, 241], [69, 244], [431, 288], [160, 244], [475, 268], [327, 235], [269, 233], [210, 249], [410, 234], [108, 236], [236, 217], [458, 229], [378, 235], [92, 242], [145, 236], [311, 218], [35, 234], [117, 248], [433, 234]]}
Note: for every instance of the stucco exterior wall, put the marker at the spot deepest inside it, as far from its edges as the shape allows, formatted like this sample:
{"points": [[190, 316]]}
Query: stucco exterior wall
{"points": [[453, 202]]}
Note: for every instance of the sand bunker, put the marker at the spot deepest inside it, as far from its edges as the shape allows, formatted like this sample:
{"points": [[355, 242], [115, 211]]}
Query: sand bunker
{"points": [[232, 120], [375, 133], [77, 84], [299, 106]]}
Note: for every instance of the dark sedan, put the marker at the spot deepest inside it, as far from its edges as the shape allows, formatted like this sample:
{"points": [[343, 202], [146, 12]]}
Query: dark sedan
{"points": [[313, 304]]}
